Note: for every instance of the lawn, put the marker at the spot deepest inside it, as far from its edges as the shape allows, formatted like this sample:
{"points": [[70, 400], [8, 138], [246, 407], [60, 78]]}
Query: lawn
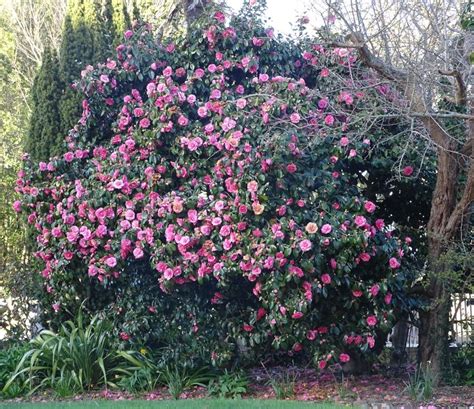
{"points": [[183, 404]]}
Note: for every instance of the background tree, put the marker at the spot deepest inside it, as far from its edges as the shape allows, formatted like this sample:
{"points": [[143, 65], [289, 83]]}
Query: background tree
{"points": [[423, 49], [44, 137]]}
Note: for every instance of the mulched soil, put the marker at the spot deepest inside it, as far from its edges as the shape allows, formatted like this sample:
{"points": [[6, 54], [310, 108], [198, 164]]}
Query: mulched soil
{"points": [[367, 391]]}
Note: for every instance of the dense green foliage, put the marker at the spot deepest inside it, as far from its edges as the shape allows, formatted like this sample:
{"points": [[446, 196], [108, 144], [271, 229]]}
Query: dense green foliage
{"points": [[80, 356], [10, 357], [45, 138]]}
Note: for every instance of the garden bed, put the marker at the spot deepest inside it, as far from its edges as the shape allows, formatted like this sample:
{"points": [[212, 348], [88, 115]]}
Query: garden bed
{"points": [[365, 391]]}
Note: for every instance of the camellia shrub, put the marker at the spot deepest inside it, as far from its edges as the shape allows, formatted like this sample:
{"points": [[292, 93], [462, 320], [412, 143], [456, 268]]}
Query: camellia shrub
{"points": [[207, 198]]}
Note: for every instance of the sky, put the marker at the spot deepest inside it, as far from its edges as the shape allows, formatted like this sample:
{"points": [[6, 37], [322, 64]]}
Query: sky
{"points": [[281, 12]]}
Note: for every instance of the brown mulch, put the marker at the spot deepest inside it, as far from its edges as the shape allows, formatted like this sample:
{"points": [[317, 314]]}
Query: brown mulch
{"points": [[368, 391]]}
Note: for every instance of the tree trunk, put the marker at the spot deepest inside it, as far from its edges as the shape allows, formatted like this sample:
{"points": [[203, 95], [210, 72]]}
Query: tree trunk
{"points": [[434, 327], [434, 322]]}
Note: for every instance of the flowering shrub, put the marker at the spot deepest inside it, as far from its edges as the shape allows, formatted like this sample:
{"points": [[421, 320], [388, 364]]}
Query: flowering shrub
{"points": [[209, 175]]}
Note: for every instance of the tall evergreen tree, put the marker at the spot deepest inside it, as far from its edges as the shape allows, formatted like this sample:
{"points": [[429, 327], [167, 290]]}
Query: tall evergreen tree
{"points": [[136, 11], [107, 31], [45, 138], [120, 18], [77, 50]]}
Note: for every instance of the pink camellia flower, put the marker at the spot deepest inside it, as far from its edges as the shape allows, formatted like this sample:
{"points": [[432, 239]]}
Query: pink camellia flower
{"points": [[374, 290], [252, 186], [248, 328], [182, 120], [241, 103], [216, 221], [291, 168], [56, 232], [68, 156], [130, 214], [388, 298], [326, 278], [128, 34], [215, 94], [394, 263], [202, 112], [111, 261], [17, 206], [311, 228], [295, 117], [296, 271], [219, 16], [144, 123], [371, 341], [168, 274], [407, 171], [105, 78], [379, 223], [365, 257], [329, 120], [193, 216], [225, 230], [408, 240], [124, 336], [344, 141], [357, 293], [297, 315], [323, 103], [311, 334], [371, 320], [360, 221], [305, 245], [212, 68], [369, 206], [243, 209], [322, 364], [168, 71], [56, 306], [138, 112], [298, 347], [344, 358], [199, 73], [118, 184], [326, 229], [261, 313], [138, 252]]}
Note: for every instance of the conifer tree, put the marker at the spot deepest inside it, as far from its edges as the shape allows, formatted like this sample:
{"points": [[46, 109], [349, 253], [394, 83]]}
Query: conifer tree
{"points": [[45, 138], [136, 11], [77, 50], [120, 18]]}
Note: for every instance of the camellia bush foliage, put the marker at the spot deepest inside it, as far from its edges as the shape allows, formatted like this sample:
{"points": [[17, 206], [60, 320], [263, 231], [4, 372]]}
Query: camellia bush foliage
{"points": [[207, 198]]}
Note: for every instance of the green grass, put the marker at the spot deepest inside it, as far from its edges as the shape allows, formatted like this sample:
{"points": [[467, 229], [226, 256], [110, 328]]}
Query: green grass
{"points": [[183, 404]]}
